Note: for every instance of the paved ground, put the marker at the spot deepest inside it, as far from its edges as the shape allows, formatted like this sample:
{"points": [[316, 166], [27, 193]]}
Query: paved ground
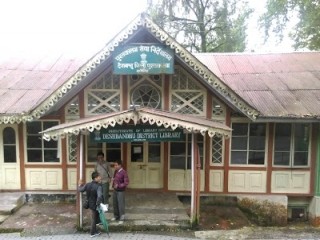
{"points": [[57, 222], [115, 236], [302, 233]]}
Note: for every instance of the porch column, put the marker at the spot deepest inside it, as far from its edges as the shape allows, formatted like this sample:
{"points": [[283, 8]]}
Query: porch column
{"points": [[195, 181], [79, 208]]}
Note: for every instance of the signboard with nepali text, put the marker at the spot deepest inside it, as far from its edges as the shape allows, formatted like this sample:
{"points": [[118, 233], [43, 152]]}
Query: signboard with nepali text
{"points": [[143, 59], [137, 133]]}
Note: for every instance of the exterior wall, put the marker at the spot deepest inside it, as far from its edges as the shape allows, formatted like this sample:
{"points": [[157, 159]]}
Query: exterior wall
{"points": [[43, 179], [217, 176], [247, 181], [314, 211], [291, 182]]}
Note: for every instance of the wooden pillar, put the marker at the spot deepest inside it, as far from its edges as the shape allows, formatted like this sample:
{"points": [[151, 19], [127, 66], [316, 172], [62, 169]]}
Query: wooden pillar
{"points": [[195, 189], [80, 176]]}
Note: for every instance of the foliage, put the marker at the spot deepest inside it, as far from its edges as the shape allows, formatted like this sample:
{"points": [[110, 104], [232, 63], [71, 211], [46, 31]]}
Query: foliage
{"points": [[204, 25], [279, 13], [264, 213]]}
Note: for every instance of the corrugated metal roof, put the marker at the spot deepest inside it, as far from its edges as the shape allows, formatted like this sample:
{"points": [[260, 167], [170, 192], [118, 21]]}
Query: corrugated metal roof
{"points": [[27, 78], [268, 85], [276, 84]]}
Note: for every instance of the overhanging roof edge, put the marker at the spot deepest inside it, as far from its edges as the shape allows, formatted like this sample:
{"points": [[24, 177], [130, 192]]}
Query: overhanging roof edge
{"points": [[150, 116]]}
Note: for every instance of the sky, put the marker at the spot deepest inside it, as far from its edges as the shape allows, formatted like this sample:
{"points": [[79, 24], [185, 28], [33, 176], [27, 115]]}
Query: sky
{"points": [[49, 23]]}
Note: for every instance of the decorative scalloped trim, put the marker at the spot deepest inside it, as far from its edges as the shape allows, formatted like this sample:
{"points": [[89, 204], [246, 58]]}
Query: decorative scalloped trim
{"points": [[94, 62], [135, 116]]}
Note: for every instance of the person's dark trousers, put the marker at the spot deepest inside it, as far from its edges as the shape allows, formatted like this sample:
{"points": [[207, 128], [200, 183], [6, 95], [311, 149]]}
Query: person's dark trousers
{"points": [[105, 192], [94, 220], [118, 205]]}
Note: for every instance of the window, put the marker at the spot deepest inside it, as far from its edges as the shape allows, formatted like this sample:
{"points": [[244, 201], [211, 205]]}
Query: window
{"points": [[72, 148], [180, 153], [38, 149], [9, 145], [216, 148], [291, 144], [187, 96], [248, 143], [112, 150], [146, 91], [103, 96]]}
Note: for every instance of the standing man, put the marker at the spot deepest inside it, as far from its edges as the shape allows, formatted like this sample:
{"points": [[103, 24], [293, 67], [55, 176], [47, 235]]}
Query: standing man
{"points": [[104, 170], [94, 196], [120, 183]]}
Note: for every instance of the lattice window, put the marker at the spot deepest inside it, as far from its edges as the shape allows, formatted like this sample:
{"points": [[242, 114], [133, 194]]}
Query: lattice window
{"points": [[218, 110], [72, 109], [103, 96], [146, 91], [217, 150], [188, 97], [72, 149]]}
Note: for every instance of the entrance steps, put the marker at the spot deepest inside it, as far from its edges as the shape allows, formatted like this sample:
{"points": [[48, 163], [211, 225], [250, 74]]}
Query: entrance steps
{"points": [[55, 212], [152, 211], [10, 202]]}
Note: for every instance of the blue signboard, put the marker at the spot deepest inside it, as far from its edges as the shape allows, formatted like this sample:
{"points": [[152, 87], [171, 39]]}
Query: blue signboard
{"points": [[143, 59]]}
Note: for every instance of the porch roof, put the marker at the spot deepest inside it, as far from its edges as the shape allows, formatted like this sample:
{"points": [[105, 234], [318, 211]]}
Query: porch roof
{"points": [[145, 115]]}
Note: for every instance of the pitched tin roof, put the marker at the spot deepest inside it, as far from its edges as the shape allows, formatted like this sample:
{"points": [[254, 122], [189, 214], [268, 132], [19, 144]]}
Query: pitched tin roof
{"points": [[278, 85], [30, 87]]}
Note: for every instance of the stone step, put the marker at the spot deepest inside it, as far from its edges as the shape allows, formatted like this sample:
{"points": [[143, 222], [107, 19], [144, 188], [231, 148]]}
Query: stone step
{"points": [[3, 218], [11, 202]]}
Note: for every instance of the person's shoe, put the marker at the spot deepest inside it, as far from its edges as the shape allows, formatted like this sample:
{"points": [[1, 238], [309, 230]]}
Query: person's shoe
{"points": [[96, 234], [113, 219], [99, 224], [121, 222]]}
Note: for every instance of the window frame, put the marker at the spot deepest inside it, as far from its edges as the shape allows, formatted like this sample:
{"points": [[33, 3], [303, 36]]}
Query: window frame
{"points": [[100, 147], [58, 149], [212, 139], [292, 147], [5, 145], [248, 145], [186, 142]]}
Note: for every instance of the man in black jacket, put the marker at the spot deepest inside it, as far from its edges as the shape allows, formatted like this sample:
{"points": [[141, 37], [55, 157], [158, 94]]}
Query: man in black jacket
{"points": [[94, 197]]}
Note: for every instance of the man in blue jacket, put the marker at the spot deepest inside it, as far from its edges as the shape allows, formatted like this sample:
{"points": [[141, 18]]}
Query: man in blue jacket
{"points": [[120, 183], [94, 197]]}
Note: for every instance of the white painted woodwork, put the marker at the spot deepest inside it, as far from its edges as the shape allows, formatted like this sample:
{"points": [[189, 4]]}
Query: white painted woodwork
{"points": [[44, 179], [89, 171], [180, 180], [72, 179], [9, 172], [145, 174], [216, 180], [290, 181], [247, 181]]}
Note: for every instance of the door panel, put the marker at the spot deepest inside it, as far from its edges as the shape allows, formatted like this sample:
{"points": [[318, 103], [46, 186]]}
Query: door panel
{"points": [[9, 160], [145, 170]]}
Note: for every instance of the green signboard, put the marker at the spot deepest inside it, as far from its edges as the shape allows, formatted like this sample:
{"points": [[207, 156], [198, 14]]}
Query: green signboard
{"points": [[143, 59], [138, 133]]}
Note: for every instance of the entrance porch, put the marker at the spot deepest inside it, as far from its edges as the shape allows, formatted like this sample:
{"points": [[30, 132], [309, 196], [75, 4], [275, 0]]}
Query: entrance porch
{"points": [[55, 213]]}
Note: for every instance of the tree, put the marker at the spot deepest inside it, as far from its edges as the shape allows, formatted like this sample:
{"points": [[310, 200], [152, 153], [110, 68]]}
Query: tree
{"points": [[203, 25], [279, 13]]}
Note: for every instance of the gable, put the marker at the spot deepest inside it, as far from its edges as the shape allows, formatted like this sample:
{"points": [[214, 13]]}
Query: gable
{"points": [[221, 75]]}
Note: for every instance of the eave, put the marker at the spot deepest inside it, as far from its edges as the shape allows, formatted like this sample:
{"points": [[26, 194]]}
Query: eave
{"points": [[159, 118]]}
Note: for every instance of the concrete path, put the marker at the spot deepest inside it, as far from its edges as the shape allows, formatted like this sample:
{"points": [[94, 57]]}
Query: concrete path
{"points": [[113, 236]]}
